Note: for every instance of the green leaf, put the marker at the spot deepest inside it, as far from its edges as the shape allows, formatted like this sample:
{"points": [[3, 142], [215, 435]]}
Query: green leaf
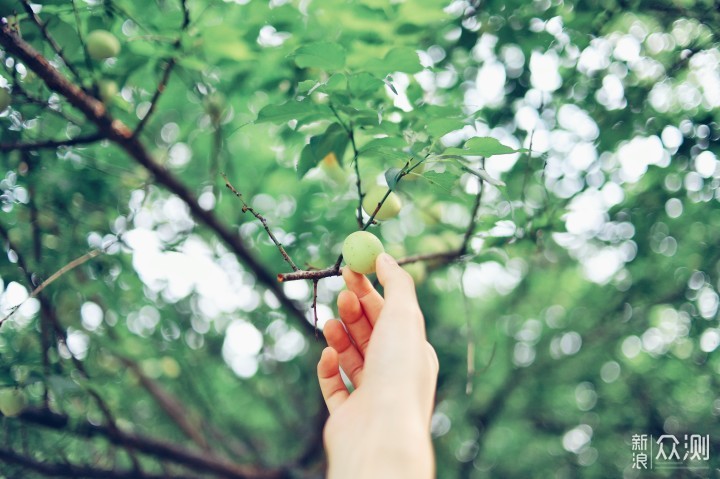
{"points": [[322, 55], [335, 139], [337, 82], [363, 84], [483, 175], [291, 110], [445, 181], [442, 126], [482, 146], [391, 142], [391, 176], [401, 59]]}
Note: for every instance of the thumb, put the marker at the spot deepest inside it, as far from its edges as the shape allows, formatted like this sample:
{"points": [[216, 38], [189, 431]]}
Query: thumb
{"points": [[398, 285]]}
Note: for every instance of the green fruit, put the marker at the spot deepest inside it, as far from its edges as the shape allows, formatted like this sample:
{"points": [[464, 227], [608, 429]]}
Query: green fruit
{"points": [[332, 168], [102, 44], [12, 402], [108, 89], [416, 173], [4, 99], [417, 270], [360, 251], [390, 208]]}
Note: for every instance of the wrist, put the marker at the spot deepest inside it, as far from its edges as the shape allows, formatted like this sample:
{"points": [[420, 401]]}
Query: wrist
{"points": [[396, 445]]}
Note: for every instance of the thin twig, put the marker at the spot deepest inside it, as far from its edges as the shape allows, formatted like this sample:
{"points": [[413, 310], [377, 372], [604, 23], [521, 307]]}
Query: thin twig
{"points": [[314, 306], [356, 156], [57, 274], [469, 231], [81, 39], [169, 66], [262, 219], [51, 41]]}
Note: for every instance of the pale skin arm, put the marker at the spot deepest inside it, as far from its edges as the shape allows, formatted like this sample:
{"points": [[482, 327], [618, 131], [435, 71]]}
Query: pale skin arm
{"points": [[382, 429]]}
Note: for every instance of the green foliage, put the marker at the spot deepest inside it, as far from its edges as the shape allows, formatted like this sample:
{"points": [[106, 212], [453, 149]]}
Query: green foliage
{"points": [[588, 290]]}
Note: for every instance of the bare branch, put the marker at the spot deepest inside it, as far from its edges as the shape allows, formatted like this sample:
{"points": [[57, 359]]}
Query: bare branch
{"points": [[170, 404], [169, 66], [57, 274], [198, 461], [70, 470], [314, 305], [469, 231], [51, 144], [262, 219], [121, 135], [356, 155]]}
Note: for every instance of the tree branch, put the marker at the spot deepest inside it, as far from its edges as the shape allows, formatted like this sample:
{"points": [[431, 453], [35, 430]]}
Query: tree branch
{"points": [[198, 461], [51, 144], [473, 219], [262, 220], [170, 404], [48, 38], [122, 136], [70, 470], [169, 66]]}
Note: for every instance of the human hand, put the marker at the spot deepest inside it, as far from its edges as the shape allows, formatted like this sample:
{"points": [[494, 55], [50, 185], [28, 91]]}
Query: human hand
{"points": [[382, 429]]}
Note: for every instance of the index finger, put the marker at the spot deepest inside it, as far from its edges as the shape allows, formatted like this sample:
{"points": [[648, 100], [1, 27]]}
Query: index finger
{"points": [[370, 300]]}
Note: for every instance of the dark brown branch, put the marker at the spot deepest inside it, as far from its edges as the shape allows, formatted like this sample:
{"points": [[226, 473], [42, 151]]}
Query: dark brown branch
{"points": [[51, 321], [262, 220], [122, 136], [314, 306], [48, 38], [473, 219], [174, 409], [51, 144], [356, 165], [167, 71], [198, 461], [49, 469]]}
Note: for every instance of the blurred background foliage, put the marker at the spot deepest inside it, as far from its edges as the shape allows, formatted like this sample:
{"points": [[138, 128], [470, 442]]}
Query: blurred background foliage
{"points": [[587, 300]]}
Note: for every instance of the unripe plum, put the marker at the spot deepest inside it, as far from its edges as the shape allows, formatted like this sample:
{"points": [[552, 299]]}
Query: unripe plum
{"points": [[390, 208], [102, 44], [12, 402], [332, 168], [360, 251], [108, 89]]}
